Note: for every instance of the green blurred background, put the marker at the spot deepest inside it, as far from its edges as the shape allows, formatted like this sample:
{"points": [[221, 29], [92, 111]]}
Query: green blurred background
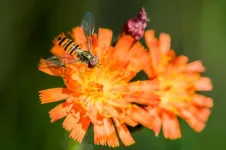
{"points": [[197, 28]]}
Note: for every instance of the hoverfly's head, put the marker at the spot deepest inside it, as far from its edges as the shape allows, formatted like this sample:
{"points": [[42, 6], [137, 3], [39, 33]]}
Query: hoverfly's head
{"points": [[93, 62]]}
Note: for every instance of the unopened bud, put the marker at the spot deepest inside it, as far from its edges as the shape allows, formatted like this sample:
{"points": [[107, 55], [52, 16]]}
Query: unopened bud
{"points": [[136, 26]]}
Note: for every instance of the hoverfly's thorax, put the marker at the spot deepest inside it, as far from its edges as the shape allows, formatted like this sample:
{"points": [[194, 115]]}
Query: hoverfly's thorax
{"points": [[87, 54], [79, 51]]}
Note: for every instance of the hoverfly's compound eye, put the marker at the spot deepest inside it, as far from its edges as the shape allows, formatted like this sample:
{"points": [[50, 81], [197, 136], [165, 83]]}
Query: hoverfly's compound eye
{"points": [[94, 61]]}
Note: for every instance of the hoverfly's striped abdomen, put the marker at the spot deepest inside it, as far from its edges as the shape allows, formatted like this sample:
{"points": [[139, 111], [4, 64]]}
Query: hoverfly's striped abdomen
{"points": [[71, 48], [67, 44]]}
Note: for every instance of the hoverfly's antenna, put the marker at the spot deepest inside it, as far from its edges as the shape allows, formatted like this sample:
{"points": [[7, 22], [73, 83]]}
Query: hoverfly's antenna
{"points": [[88, 26]]}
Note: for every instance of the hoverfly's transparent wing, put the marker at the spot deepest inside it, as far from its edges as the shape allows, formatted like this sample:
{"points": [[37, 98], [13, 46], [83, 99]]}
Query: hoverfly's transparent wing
{"points": [[57, 62], [53, 62], [88, 26]]}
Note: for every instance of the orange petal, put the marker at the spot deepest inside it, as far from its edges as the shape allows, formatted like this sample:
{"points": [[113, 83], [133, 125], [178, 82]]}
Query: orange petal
{"points": [[79, 129], [99, 134], [106, 55], [104, 134], [112, 139], [54, 71], [124, 133], [153, 112], [94, 44], [123, 118], [129, 121], [164, 40], [203, 114], [60, 111], [118, 87], [141, 116], [118, 103], [137, 56], [104, 41], [192, 120], [155, 53], [75, 87], [129, 73], [198, 126], [122, 47], [195, 66], [153, 45], [204, 84], [53, 95], [119, 57], [148, 68], [58, 51], [143, 86], [181, 61], [70, 121], [170, 126], [202, 101], [79, 37], [143, 98], [149, 37], [119, 64]]}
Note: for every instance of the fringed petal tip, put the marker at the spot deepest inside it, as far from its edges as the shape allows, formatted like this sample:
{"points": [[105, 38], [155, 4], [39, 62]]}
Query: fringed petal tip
{"points": [[60, 111], [42, 97], [52, 118], [42, 65], [77, 125], [53, 95], [105, 134]]}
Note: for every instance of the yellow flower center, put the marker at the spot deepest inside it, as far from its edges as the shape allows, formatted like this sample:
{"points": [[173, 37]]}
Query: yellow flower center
{"points": [[94, 87], [175, 87], [101, 91]]}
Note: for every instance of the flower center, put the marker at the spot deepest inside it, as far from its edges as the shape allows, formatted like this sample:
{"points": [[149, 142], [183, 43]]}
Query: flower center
{"points": [[100, 91], [175, 87], [94, 87]]}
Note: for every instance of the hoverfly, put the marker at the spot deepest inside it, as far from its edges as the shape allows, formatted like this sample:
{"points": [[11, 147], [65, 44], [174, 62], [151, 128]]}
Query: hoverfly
{"points": [[74, 51]]}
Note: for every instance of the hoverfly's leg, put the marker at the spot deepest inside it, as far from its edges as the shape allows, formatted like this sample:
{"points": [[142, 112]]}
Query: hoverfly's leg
{"points": [[99, 65], [76, 60]]}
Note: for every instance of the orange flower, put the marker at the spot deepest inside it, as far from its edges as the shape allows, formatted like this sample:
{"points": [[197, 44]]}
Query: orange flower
{"points": [[178, 82], [102, 95]]}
